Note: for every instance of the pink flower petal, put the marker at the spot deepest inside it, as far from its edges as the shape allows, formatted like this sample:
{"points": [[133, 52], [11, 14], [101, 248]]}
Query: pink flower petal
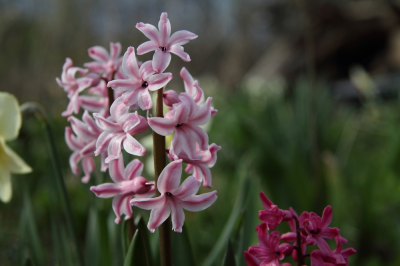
{"points": [[179, 51], [170, 177], [265, 201], [129, 121], [187, 142], [130, 98], [132, 146], [199, 134], [177, 215], [106, 124], [188, 188], [162, 126], [161, 60], [200, 202], [116, 169], [170, 97], [202, 116], [118, 109], [149, 31], [159, 215], [81, 129], [206, 175], [124, 83], [88, 168], [121, 206], [115, 50], [106, 190], [98, 53], [129, 64], [289, 237], [95, 66], [147, 47], [73, 162], [133, 169], [250, 259], [144, 100], [146, 70], [88, 149], [181, 115], [181, 37], [158, 81], [102, 142], [71, 140], [326, 217], [148, 204], [199, 96], [114, 147], [164, 27], [187, 81]]}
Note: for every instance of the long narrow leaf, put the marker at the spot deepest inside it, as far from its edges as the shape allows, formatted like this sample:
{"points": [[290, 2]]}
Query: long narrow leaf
{"points": [[182, 253], [229, 258]]}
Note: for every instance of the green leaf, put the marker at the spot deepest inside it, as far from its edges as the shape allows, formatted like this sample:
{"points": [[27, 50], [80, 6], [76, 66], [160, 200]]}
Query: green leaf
{"points": [[182, 253], [219, 245], [144, 234], [136, 255], [229, 258]]}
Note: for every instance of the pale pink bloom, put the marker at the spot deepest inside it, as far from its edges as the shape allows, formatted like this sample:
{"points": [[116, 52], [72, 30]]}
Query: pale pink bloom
{"points": [[73, 86], [317, 228], [128, 183], [192, 87], [118, 129], [174, 198], [163, 43], [200, 168], [184, 120], [268, 251], [139, 81], [83, 144], [105, 63], [272, 215]]}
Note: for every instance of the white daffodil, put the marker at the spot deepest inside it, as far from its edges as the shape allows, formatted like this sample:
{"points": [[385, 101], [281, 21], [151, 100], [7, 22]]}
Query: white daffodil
{"points": [[10, 162]]}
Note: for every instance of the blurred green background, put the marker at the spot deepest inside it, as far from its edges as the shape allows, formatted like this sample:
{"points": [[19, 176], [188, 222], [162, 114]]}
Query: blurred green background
{"points": [[309, 113]]}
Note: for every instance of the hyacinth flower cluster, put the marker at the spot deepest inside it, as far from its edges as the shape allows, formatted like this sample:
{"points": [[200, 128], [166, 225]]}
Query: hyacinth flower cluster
{"points": [[307, 230], [113, 91]]}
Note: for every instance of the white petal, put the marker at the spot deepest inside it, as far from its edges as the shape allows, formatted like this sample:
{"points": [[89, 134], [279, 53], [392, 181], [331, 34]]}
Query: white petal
{"points": [[5, 183], [14, 163]]}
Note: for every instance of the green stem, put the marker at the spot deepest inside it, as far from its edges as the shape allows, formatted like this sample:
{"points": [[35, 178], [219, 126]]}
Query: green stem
{"points": [[39, 113], [160, 162], [300, 257]]}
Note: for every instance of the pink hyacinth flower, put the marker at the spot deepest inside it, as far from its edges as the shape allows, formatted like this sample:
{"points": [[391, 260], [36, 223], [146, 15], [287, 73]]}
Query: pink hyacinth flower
{"points": [[83, 145], [139, 81], [118, 129], [317, 229], [184, 120], [163, 43], [128, 183], [192, 86], [292, 236], [336, 257], [73, 86], [268, 251], [272, 215], [174, 198], [201, 168], [105, 63]]}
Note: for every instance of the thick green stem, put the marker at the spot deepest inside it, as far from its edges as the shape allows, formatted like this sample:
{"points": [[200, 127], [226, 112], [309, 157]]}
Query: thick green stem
{"points": [[37, 110], [160, 162]]}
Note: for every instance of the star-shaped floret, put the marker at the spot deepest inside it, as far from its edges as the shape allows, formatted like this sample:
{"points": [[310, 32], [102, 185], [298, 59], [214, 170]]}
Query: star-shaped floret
{"points": [[174, 198], [139, 81], [163, 43], [128, 183], [118, 129]]}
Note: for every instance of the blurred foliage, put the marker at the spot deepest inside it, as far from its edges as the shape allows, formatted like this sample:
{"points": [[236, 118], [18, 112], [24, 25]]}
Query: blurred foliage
{"points": [[265, 142]]}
